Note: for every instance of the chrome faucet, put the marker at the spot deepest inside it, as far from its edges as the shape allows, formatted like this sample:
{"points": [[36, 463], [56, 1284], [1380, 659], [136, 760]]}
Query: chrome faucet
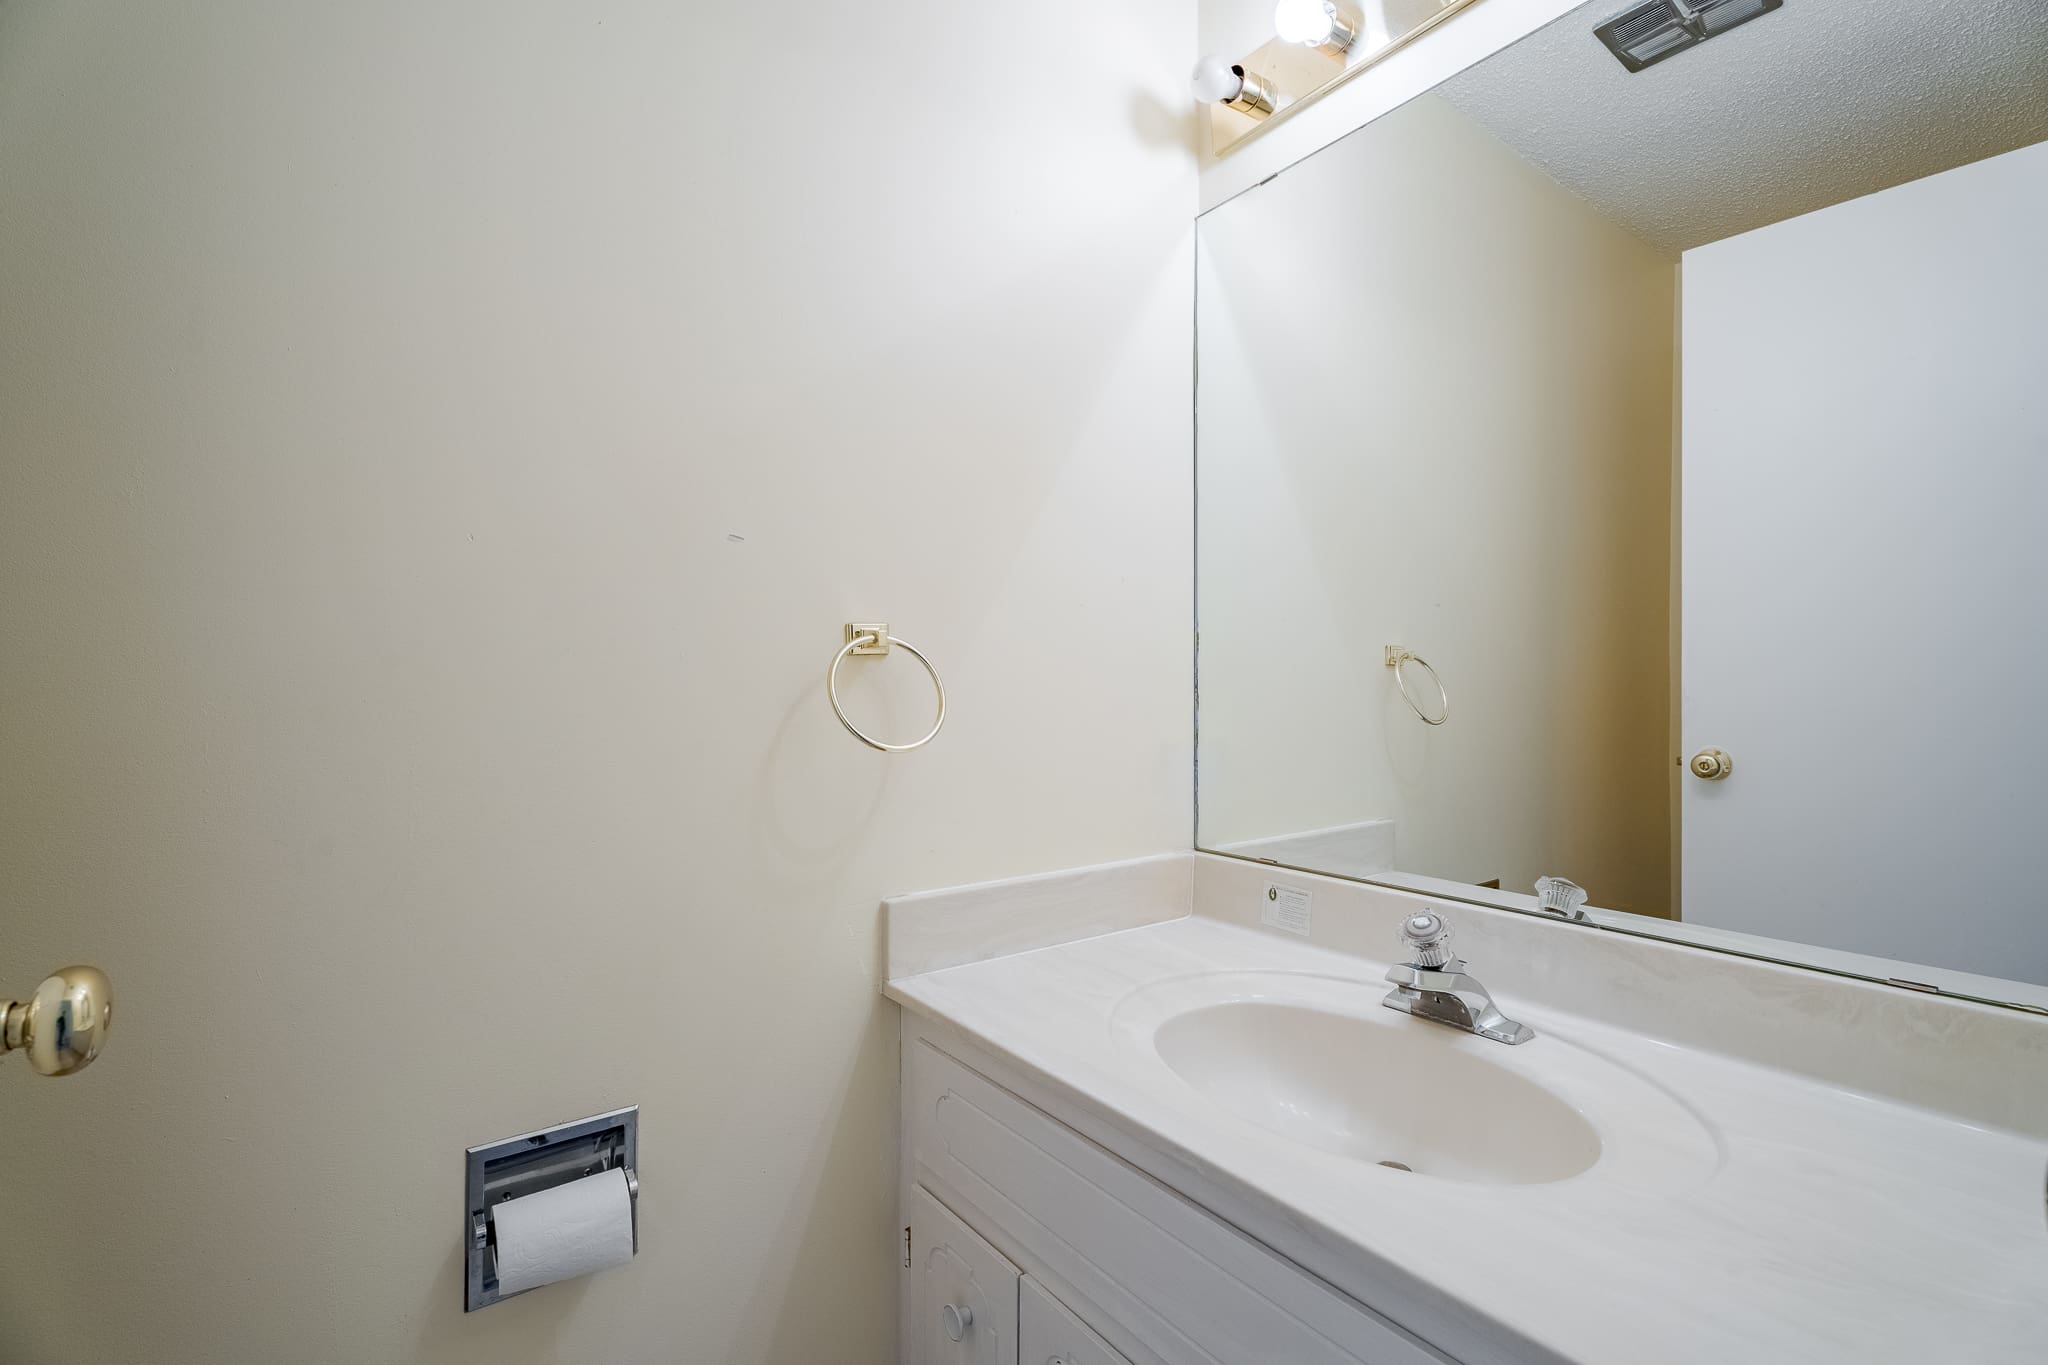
{"points": [[1432, 985]]}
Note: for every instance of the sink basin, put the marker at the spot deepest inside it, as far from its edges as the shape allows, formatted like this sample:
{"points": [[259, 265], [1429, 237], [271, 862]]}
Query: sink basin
{"points": [[1381, 1094], [1317, 1061]]}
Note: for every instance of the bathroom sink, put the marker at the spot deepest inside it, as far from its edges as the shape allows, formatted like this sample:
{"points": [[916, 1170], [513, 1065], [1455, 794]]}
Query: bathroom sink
{"points": [[1317, 1061], [1396, 1093]]}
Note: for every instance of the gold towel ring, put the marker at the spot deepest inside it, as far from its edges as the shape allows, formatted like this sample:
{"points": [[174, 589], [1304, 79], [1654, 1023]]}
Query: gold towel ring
{"points": [[1399, 656], [873, 637]]}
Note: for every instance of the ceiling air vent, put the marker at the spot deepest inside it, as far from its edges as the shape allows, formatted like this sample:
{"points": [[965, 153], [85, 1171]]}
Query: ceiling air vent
{"points": [[1643, 35]]}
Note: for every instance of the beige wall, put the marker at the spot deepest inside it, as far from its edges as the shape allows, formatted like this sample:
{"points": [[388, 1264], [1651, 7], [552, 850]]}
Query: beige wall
{"points": [[439, 445], [1435, 410]]}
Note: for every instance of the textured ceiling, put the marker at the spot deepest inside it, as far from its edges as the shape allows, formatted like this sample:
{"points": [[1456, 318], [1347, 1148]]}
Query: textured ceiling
{"points": [[1807, 106]]}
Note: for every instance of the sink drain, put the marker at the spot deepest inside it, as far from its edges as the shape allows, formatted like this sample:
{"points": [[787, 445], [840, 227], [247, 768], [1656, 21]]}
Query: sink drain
{"points": [[1398, 1166]]}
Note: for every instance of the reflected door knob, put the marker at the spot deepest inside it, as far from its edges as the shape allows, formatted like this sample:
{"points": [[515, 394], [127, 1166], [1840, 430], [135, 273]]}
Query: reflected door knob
{"points": [[1711, 765], [956, 1319], [63, 1025]]}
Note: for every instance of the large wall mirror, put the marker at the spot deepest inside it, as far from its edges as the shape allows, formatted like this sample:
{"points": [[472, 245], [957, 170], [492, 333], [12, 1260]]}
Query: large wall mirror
{"points": [[1640, 478]]}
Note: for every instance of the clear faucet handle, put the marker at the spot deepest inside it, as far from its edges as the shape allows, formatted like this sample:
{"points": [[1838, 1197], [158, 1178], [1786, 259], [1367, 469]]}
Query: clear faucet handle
{"points": [[1427, 939], [1561, 897]]}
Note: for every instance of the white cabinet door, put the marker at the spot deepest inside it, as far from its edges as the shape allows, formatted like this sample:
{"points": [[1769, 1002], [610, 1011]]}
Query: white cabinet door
{"points": [[963, 1308], [1049, 1334]]}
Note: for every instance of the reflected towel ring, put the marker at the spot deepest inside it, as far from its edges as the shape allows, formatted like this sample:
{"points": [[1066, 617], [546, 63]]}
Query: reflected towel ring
{"points": [[1398, 657], [873, 637]]}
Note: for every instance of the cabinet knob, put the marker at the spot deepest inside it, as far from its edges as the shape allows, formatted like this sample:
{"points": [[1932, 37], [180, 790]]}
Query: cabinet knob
{"points": [[1711, 765], [956, 1319]]}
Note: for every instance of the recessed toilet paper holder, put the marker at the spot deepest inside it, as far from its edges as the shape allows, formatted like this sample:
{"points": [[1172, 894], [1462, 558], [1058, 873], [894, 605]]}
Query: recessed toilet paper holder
{"points": [[536, 1161]]}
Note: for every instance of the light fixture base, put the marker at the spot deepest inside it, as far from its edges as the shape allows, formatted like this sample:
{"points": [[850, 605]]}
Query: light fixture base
{"points": [[1254, 96], [1277, 74]]}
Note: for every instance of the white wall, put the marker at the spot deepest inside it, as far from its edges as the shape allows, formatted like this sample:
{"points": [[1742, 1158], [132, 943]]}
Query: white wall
{"points": [[439, 445], [1435, 410], [1866, 468]]}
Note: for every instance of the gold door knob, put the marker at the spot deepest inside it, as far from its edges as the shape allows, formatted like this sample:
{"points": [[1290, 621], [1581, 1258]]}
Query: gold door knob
{"points": [[1712, 765], [63, 1025]]}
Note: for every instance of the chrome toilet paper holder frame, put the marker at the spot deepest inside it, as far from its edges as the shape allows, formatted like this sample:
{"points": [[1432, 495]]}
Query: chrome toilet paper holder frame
{"points": [[536, 1161]]}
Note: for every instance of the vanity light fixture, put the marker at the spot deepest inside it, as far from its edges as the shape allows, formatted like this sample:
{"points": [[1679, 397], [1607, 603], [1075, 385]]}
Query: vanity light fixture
{"points": [[1319, 45], [1218, 82], [1315, 23]]}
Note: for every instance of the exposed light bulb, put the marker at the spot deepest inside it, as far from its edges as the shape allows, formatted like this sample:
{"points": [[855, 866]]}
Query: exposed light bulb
{"points": [[1215, 81], [1312, 23], [1307, 22]]}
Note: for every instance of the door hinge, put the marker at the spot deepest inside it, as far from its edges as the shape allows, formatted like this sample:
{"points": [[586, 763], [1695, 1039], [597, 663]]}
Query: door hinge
{"points": [[906, 1248]]}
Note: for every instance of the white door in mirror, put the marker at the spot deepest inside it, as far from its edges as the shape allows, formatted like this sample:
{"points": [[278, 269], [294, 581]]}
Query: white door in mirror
{"points": [[1048, 1333], [963, 1294]]}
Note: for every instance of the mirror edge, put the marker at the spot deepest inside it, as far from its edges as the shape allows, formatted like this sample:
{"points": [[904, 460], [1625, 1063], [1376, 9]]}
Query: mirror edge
{"points": [[1736, 943]]}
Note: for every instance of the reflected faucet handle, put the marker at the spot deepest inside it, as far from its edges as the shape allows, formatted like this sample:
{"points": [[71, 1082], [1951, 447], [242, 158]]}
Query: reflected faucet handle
{"points": [[1427, 939], [1561, 897]]}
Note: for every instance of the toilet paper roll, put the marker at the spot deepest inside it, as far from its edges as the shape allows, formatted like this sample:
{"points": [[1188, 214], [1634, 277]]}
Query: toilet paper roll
{"points": [[558, 1234]]}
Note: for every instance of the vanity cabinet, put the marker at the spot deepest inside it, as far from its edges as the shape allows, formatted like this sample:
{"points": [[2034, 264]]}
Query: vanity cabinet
{"points": [[970, 1306], [1048, 1333], [1007, 1205], [963, 1292]]}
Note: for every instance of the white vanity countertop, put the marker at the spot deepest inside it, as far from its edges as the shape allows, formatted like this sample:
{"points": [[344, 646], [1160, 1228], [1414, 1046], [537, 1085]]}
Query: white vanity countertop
{"points": [[1824, 1226]]}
